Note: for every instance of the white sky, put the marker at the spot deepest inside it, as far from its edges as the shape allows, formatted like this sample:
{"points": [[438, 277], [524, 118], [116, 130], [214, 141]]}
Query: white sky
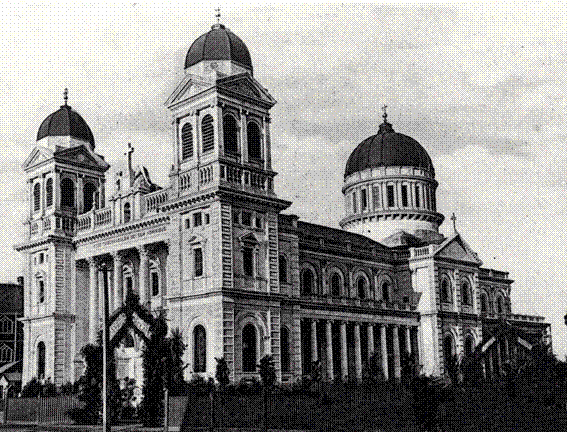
{"points": [[481, 87]]}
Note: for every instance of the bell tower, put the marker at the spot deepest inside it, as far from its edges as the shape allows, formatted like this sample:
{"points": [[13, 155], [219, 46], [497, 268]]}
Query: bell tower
{"points": [[65, 178]]}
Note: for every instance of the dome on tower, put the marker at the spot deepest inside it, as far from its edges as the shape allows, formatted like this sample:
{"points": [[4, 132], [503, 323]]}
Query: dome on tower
{"points": [[66, 122], [388, 148], [219, 43]]}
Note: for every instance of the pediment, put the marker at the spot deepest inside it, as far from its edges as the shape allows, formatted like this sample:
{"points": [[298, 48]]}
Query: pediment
{"points": [[245, 85], [37, 156], [80, 155], [188, 87], [249, 238], [456, 248]]}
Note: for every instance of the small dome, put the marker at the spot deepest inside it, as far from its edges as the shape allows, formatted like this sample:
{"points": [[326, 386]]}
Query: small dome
{"points": [[66, 122], [218, 44], [388, 148]]}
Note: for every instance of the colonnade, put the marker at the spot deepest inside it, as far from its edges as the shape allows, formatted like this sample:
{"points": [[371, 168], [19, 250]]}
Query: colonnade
{"points": [[389, 348]]}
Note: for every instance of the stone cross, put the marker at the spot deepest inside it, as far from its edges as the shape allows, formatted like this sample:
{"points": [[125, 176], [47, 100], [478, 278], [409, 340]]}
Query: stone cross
{"points": [[385, 115], [217, 14], [454, 219], [65, 95]]}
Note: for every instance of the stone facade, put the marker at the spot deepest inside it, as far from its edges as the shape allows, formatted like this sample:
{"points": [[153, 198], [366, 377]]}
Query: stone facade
{"points": [[235, 275]]}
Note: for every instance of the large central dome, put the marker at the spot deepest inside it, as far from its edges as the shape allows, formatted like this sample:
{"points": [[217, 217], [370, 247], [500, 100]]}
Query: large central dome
{"points": [[219, 43], [388, 148]]}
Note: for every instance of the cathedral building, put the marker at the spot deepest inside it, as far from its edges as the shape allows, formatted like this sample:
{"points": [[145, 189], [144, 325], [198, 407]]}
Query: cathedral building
{"points": [[239, 277]]}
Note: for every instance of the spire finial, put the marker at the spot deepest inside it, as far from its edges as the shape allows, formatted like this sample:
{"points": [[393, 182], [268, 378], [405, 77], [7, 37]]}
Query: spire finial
{"points": [[454, 219], [217, 14], [385, 127], [65, 95], [129, 155], [385, 115]]}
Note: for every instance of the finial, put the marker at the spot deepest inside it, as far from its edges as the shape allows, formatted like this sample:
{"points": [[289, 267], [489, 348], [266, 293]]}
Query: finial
{"points": [[385, 115], [385, 127], [217, 14], [454, 219], [65, 95]]}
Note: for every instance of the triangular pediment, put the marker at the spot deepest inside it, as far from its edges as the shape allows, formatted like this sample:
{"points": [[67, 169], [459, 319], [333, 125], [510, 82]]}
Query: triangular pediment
{"points": [[189, 86], [249, 238], [245, 85], [80, 155], [455, 248], [37, 156]]}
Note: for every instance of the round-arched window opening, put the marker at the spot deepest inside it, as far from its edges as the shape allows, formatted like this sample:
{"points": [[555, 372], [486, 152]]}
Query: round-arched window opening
{"points": [[41, 360], [67, 193], [361, 288], [307, 282], [284, 342], [89, 191], [469, 345], [127, 213], [445, 291], [386, 291], [483, 303], [199, 349], [186, 141], [49, 192], [230, 134], [254, 141], [466, 293], [36, 197], [335, 285], [500, 305], [448, 349], [208, 133], [249, 348]]}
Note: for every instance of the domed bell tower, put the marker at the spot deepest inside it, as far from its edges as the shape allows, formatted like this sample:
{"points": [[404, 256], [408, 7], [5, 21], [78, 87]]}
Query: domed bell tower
{"points": [[389, 189], [65, 178]]}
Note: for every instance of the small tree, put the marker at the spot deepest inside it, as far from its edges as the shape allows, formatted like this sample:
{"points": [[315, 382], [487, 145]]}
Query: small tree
{"points": [[222, 373]]}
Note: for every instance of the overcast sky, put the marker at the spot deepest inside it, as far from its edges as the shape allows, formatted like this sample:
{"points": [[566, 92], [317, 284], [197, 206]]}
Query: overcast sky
{"points": [[481, 88]]}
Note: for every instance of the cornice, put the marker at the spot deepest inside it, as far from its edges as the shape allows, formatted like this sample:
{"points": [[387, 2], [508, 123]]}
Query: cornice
{"points": [[142, 223]]}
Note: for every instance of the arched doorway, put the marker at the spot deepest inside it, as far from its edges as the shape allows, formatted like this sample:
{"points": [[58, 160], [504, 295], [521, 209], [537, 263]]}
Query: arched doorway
{"points": [[249, 348]]}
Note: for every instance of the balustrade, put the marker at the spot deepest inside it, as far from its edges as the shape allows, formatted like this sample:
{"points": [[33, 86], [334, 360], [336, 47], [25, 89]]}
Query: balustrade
{"points": [[155, 199], [103, 217], [84, 222], [184, 181]]}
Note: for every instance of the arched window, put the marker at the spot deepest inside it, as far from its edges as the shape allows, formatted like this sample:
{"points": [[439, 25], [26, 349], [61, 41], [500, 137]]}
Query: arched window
{"points": [[208, 133], [198, 262], [6, 325], [448, 350], [41, 360], [40, 285], [249, 348], [49, 192], [484, 303], [5, 354], [284, 342], [254, 141], [445, 291], [67, 193], [386, 291], [469, 345], [361, 288], [230, 134], [466, 294], [500, 305], [199, 349], [36, 197], [154, 279], [186, 141], [307, 282], [89, 191], [283, 268], [335, 285], [127, 213]]}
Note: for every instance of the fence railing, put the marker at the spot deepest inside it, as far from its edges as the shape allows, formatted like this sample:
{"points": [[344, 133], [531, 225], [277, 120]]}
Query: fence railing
{"points": [[42, 410]]}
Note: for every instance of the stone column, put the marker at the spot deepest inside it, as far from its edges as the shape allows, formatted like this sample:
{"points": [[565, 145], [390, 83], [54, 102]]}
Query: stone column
{"points": [[384, 347], [408, 339], [506, 349], [314, 353], [344, 355], [370, 333], [143, 283], [397, 364], [357, 352], [93, 300], [117, 273], [329, 334]]}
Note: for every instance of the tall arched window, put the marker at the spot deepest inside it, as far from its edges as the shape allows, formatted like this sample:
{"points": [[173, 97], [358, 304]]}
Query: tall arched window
{"points": [[500, 305], [127, 213], [41, 360], [89, 191], [49, 192], [254, 141], [335, 285], [448, 350], [67, 193], [361, 288], [469, 345], [208, 133], [186, 141], [36, 197], [249, 348], [284, 342], [466, 294], [154, 278], [386, 291], [484, 303], [445, 291], [307, 282], [283, 268], [199, 349], [230, 134], [40, 285]]}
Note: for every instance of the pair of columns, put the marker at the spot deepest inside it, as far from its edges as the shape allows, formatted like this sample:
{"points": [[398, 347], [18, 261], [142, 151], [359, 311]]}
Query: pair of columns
{"points": [[116, 294], [357, 348]]}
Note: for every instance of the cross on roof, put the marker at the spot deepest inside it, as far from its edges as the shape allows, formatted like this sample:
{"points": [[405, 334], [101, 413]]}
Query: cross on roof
{"points": [[65, 95], [217, 14], [129, 154], [454, 219], [385, 115]]}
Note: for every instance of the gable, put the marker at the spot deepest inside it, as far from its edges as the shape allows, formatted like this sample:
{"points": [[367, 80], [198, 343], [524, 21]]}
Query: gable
{"points": [[188, 87], [456, 249], [247, 86], [37, 156], [80, 155]]}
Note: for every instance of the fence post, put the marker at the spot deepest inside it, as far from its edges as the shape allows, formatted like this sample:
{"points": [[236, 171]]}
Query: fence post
{"points": [[166, 411], [212, 407], [265, 409]]}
